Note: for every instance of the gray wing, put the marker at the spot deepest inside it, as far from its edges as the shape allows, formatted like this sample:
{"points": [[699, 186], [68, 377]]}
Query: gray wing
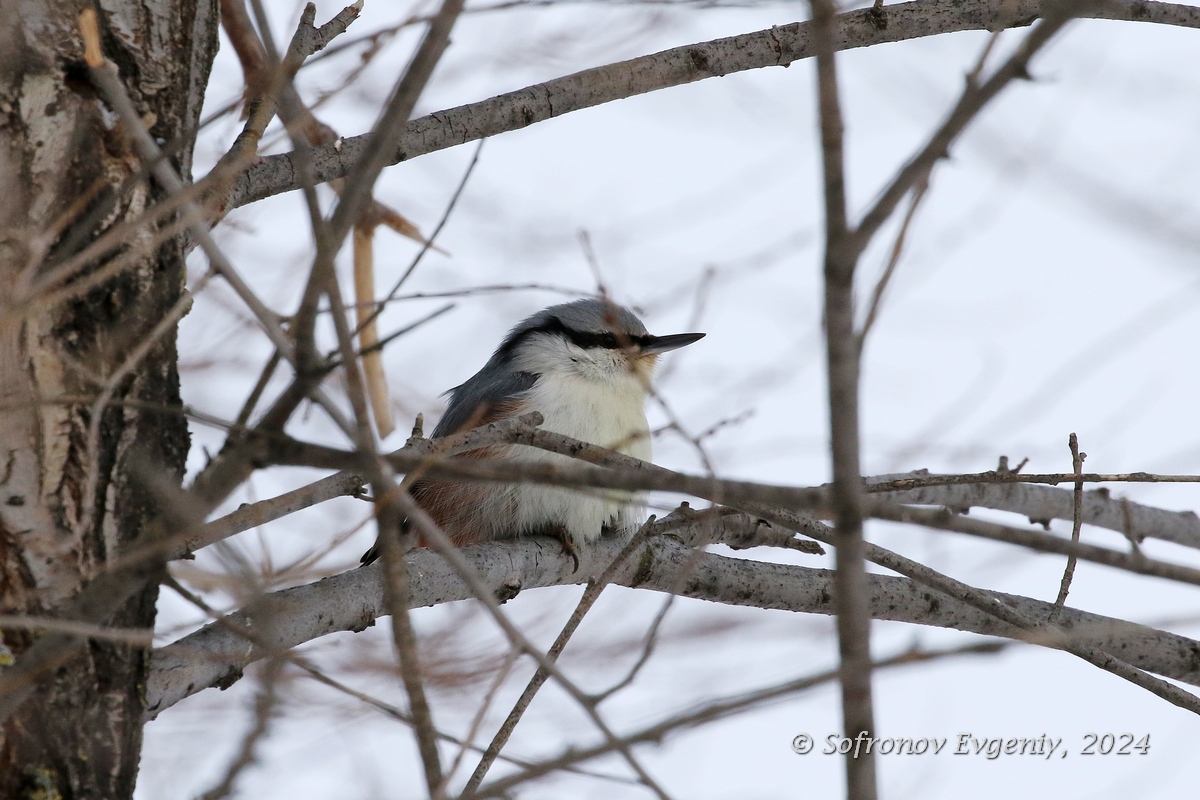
{"points": [[484, 399]]}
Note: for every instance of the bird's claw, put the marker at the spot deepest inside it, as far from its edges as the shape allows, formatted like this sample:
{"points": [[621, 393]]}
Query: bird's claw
{"points": [[568, 546]]}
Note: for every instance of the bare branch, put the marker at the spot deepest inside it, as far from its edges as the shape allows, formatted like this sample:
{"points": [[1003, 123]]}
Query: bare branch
{"points": [[943, 519], [351, 601], [778, 46], [842, 360], [1044, 503], [1041, 630]]}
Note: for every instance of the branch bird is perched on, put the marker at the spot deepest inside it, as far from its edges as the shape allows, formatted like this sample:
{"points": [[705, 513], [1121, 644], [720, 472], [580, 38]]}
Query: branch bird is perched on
{"points": [[586, 367]]}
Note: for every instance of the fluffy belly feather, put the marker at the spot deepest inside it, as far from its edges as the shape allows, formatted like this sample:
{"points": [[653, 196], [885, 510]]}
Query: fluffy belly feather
{"points": [[614, 419]]}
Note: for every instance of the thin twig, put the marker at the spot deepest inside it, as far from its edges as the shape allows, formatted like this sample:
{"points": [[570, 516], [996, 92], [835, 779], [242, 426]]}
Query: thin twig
{"points": [[918, 194], [450, 206], [590, 595], [265, 705], [724, 708], [973, 100], [1076, 522], [445, 548], [1048, 634], [389, 519], [485, 703], [101, 633]]}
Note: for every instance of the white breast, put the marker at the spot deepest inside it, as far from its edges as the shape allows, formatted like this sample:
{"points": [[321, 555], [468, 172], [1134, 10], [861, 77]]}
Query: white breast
{"points": [[611, 414]]}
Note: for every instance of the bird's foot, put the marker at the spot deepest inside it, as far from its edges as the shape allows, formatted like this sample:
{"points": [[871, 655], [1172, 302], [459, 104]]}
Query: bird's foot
{"points": [[568, 544]]}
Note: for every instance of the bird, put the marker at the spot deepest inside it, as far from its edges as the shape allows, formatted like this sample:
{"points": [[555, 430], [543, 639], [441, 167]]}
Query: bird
{"points": [[587, 367]]}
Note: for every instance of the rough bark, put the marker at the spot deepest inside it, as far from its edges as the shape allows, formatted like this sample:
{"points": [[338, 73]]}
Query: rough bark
{"points": [[66, 504]]}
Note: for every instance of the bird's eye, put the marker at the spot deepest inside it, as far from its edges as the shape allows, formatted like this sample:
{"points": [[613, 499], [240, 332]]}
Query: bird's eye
{"points": [[609, 341]]}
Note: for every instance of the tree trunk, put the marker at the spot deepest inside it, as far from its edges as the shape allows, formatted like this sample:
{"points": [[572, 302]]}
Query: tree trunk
{"points": [[69, 500]]}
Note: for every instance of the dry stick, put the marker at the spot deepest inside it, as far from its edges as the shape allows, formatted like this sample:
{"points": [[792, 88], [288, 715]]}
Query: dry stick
{"points": [[368, 333], [391, 337], [425, 248], [493, 288], [252, 515], [590, 595], [447, 550], [260, 386], [104, 75], [852, 593], [1076, 522], [720, 709], [374, 158]]}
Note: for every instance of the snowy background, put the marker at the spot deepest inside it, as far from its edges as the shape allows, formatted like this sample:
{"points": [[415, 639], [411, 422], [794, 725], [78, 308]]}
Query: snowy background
{"points": [[1050, 285]]}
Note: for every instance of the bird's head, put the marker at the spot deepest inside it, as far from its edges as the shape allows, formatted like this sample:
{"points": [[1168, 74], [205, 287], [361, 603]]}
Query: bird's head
{"points": [[593, 339]]}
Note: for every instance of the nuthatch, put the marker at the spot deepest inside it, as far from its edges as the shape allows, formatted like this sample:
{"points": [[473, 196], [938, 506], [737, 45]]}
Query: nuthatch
{"points": [[586, 367]]}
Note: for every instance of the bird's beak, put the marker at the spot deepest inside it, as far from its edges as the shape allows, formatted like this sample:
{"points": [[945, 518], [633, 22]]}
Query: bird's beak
{"points": [[653, 345]]}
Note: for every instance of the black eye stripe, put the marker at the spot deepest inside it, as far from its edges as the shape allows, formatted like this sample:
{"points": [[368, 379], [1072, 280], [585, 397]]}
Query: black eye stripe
{"points": [[584, 339]]}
